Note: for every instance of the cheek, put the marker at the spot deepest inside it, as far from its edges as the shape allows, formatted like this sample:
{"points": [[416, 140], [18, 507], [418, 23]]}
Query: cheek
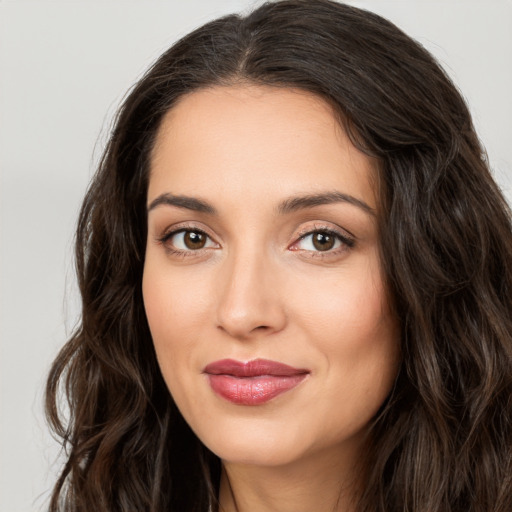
{"points": [[368, 333], [177, 308], [173, 305], [351, 326], [349, 306], [172, 300]]}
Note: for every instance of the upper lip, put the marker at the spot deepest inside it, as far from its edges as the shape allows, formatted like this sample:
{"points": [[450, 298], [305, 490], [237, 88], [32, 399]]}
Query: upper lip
{"points": [[254, 368]]}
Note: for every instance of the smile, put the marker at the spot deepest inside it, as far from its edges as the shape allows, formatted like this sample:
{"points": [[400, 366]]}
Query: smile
{"points": [[254, 382]]}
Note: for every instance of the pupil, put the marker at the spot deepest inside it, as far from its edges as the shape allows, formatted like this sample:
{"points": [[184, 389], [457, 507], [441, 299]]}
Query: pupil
{"points": [[194, 240], [323, 241]]}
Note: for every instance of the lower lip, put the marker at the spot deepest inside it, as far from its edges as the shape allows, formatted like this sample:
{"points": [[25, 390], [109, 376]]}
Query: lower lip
{"points": [[253, 390]]}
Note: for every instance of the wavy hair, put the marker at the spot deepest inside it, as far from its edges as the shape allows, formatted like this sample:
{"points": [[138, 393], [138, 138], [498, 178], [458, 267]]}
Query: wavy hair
{"points": [[442, 442]]}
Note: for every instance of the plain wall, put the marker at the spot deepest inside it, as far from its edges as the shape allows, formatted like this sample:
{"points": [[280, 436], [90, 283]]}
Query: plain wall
{"points": [[64, 67]]}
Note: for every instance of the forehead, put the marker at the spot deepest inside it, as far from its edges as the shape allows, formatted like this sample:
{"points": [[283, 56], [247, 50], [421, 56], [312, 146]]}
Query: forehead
{"points": [[256, 141]]}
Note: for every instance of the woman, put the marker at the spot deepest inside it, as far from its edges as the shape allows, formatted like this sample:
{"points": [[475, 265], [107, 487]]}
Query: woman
{"points": [[296, 282]]}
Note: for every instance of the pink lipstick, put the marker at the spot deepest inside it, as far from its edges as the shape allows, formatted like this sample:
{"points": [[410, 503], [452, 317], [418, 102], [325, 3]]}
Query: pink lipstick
{"points": [[254, 382]]}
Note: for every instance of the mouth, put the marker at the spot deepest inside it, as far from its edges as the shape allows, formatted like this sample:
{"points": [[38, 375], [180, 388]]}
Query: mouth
{"points": [[254, 382]]}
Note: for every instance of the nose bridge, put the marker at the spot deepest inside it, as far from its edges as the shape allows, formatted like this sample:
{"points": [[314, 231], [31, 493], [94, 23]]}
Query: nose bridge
{"points": [[248, 299]]}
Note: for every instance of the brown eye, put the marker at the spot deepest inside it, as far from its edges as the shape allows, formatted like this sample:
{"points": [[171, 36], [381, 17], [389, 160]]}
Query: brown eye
{"points": [[188, 240], [194, 240], [323, 241]]}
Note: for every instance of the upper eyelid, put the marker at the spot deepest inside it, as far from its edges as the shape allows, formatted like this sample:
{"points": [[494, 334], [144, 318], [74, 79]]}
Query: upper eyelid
{"points": [[343, 239], [178, 228], [317, 226], [169, 233], [337, 230], [344, 236]]}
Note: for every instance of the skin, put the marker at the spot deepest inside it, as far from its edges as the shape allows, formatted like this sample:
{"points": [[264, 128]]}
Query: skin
{"points": [[259, 288]]}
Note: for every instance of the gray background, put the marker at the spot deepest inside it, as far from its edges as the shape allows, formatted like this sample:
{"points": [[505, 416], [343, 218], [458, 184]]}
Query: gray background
{"points": [[64, 67]]}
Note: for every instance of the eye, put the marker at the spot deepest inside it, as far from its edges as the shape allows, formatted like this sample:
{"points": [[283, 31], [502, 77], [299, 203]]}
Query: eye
{"points": [[188, 240], [319, 241], [322, 241]]}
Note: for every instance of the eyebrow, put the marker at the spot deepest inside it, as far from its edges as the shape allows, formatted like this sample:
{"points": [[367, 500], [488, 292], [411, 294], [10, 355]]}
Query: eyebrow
{"points": [[311, 200], [289, 205], [186, 202]]}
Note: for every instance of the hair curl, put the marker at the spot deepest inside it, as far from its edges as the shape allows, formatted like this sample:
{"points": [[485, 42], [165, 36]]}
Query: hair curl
{"points": [[443, 440]]}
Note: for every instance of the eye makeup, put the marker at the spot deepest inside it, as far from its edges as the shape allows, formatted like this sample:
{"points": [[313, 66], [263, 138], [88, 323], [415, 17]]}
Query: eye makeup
{"points": [[317, 241], [186, 240], [323, 241]]}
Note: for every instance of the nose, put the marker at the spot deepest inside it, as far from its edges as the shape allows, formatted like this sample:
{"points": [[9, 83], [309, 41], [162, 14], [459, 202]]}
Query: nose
{"points": [[249, 301]]}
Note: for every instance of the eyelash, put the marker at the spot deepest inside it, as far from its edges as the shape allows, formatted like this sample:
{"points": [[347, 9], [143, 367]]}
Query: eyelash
{"points": [[347, 242], [179, 252]]}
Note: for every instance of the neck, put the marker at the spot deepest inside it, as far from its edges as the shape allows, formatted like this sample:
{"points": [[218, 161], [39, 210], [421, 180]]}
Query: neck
{"points": [[323, 483]]}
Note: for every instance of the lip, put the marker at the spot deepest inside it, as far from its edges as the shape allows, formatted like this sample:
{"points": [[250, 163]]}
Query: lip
{"points": [[254, 382]]}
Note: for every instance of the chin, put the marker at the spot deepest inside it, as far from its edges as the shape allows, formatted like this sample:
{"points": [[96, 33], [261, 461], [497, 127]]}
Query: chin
{"points": [[259, 444], [269, 454]]}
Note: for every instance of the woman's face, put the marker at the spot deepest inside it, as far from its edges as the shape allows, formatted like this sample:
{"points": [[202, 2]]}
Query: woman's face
{"points": [[262, 283]]}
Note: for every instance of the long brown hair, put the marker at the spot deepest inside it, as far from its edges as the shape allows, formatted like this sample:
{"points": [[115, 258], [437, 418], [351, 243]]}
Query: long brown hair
{"points": [[442, 442]]}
